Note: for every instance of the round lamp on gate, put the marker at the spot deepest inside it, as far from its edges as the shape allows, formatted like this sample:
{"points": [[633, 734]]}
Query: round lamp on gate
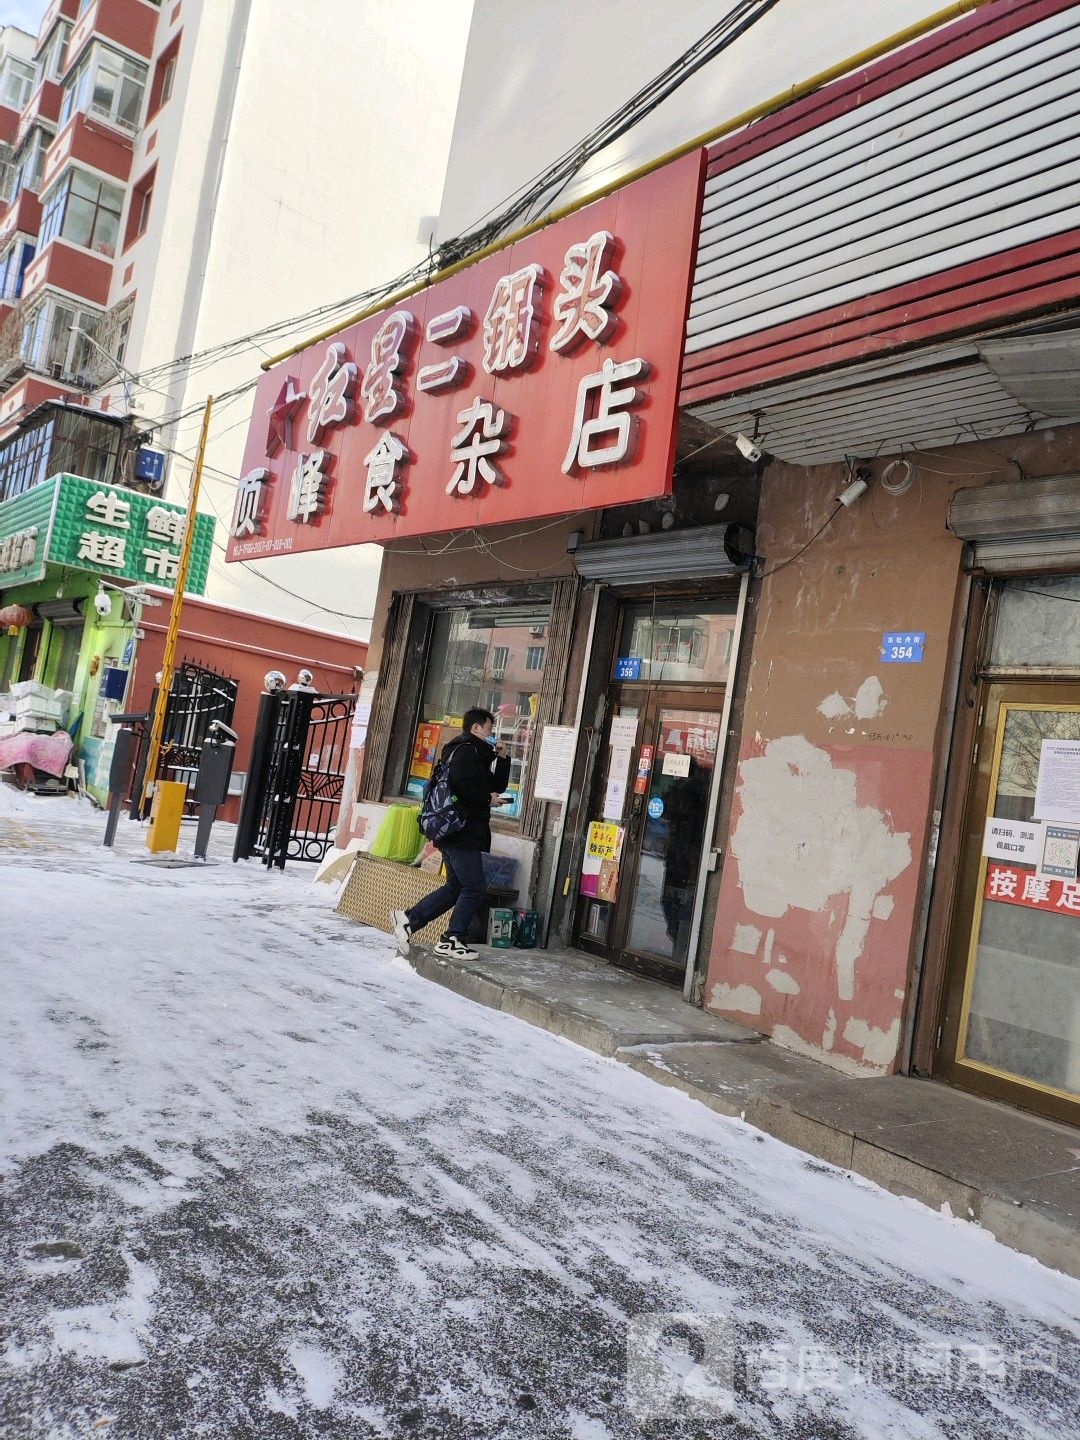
{"points": [[15, 617]]}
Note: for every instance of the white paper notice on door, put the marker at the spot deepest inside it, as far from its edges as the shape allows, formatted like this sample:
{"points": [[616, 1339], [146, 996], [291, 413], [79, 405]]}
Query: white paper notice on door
{"points": [[1020, 841], [1057, 790], [623, 732], [615, 789], [675, 764]]}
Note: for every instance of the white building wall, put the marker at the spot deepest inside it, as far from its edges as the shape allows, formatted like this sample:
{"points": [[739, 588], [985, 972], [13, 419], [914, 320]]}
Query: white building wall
{"points": [[538, 76], [306, 186], [17, 43]]}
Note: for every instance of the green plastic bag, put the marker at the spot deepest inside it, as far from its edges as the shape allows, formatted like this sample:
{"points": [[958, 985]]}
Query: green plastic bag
{"points": [[399, 836]]}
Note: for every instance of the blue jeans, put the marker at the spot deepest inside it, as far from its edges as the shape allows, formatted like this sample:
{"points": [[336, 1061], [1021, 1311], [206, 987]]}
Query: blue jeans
{"points": [[464, 892]]}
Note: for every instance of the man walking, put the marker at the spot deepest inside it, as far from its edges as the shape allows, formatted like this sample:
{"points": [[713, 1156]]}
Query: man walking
{"points": [[477, 771]]}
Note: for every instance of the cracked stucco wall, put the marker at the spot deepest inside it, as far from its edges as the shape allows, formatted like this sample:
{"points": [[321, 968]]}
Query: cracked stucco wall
{"points": [[820, 885]]}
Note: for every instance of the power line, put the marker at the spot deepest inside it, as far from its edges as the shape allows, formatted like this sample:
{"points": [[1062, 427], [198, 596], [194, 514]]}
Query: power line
{"points": [[524, 202]]}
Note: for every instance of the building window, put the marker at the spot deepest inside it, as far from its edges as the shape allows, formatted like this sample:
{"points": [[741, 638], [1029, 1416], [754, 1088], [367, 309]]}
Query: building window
{"points": [[534, 657], [108, 86], [83, 210], [30, 164], [69, 441], [478, 657], [139, 215], [13, 269], [161, 87], [677, 641], [54, 341], [16, 83], [52, 213], [24, 460], [52, 59]]}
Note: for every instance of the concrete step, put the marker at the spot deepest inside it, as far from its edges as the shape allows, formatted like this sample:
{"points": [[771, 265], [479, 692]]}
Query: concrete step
{"points": [[1015, 1174]]}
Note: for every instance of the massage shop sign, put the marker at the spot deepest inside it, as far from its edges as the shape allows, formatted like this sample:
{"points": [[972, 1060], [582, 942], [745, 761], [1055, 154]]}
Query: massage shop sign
{"points": [[539, 381], [82, 525]]}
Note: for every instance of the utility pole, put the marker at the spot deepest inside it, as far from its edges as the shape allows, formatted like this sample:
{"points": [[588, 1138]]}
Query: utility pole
{"points": [[153, 750]]}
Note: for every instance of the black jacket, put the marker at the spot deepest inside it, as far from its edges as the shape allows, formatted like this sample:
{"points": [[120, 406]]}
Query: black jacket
{"points": [[475, 774]]}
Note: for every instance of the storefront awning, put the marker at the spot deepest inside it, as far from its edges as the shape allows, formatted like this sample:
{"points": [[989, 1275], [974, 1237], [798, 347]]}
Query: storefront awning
{"points": [[1020, 525], [702, 554]]}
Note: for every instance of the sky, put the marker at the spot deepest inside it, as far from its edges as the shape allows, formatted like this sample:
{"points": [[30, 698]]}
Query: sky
{"points": [[24, 13]]}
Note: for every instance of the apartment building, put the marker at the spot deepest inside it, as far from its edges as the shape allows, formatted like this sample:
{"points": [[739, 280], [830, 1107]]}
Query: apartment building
{"points": [[171, 179]]}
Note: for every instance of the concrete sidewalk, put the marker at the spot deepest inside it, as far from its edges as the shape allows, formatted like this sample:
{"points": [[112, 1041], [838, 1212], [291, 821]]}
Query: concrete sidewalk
{"points": [[1015, 1174]]}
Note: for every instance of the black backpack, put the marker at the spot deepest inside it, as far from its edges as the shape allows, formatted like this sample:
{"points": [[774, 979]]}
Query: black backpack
{"points": [[439, 815]]}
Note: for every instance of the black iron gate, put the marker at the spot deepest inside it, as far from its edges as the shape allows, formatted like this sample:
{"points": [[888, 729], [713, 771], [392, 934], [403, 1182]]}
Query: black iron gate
{"points": [[295, 777], [197, 697]]}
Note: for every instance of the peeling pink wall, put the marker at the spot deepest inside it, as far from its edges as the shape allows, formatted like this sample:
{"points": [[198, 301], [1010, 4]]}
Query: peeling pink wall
{"points": [[817, 904]]}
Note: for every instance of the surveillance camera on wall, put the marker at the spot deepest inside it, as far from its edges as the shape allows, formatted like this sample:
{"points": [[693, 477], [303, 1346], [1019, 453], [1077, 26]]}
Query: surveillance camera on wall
{"points": [[750, 448], [102, 604]]}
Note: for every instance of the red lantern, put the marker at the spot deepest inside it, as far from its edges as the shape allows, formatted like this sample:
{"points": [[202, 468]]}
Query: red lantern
{"points": [[15, 616]]}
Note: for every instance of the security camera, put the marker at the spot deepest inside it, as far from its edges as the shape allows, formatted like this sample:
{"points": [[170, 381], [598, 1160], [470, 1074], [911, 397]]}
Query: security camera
{"points": [[102, 604], [750, 448]]}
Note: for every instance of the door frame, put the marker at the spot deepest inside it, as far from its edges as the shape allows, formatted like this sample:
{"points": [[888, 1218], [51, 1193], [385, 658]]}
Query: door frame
{"points": [[996, 696]]}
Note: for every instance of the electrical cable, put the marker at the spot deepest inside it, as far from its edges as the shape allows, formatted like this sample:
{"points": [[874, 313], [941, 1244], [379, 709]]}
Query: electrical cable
{"points": [[538, 191], [792, 558]]}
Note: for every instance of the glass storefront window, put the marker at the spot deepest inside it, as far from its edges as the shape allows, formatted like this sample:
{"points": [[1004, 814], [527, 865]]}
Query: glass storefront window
{"points": [[1038, 623], [494, 658], [676, 642], [1023, 1010]]}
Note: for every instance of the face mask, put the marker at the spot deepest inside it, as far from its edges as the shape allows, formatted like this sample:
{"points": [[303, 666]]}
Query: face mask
{"points": [[490, 740]]}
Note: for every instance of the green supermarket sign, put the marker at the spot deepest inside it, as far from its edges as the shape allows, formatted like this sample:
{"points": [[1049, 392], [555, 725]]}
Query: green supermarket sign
{"points": [[107, 530]]}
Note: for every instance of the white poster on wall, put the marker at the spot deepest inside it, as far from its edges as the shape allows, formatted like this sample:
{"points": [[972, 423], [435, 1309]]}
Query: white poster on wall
{"points": [[1057, 790], [555, 763], [362, 713]]}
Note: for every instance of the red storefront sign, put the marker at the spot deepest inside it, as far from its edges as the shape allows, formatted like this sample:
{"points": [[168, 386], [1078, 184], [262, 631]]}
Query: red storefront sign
{"points": [[1016, 886], [540, 381]]}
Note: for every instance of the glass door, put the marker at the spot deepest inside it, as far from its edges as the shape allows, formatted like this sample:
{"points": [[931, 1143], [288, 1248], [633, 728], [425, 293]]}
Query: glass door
{"points": [[1012, 1022], [660, 750]]}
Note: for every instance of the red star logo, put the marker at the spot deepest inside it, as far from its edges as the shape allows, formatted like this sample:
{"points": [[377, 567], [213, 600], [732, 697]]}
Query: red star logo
{"points": [[280, 417]]}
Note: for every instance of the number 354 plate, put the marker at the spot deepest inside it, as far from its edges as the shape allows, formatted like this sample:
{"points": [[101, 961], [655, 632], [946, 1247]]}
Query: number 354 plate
{"points": [[902, 647]]}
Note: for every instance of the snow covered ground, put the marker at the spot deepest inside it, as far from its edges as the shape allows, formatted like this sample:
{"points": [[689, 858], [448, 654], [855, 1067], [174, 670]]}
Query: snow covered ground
{"points": [[261, 1180]]}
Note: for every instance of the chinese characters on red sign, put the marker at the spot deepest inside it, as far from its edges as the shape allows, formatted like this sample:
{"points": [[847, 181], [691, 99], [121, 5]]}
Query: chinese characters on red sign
{"points": [[1023, 887], [540, 381]]}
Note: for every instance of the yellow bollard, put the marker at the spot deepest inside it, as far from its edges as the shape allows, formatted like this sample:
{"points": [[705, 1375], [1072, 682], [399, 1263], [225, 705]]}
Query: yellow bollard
{"points": [[166, 813]]}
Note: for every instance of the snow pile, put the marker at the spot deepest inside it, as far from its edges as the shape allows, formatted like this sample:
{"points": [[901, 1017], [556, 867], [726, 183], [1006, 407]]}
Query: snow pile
{"points": [[299, 1187]]}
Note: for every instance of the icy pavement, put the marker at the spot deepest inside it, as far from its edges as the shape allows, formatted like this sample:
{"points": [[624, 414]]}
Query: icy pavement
{"points": [[263, 1181]]}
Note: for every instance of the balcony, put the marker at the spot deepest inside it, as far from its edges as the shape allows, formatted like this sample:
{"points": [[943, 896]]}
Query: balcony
{"points": [[22, 217], [20, 400], [9, 124], [131, 24], [87, 142], [45, 341], [70, 268], [44, 108], [59, 9]]}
